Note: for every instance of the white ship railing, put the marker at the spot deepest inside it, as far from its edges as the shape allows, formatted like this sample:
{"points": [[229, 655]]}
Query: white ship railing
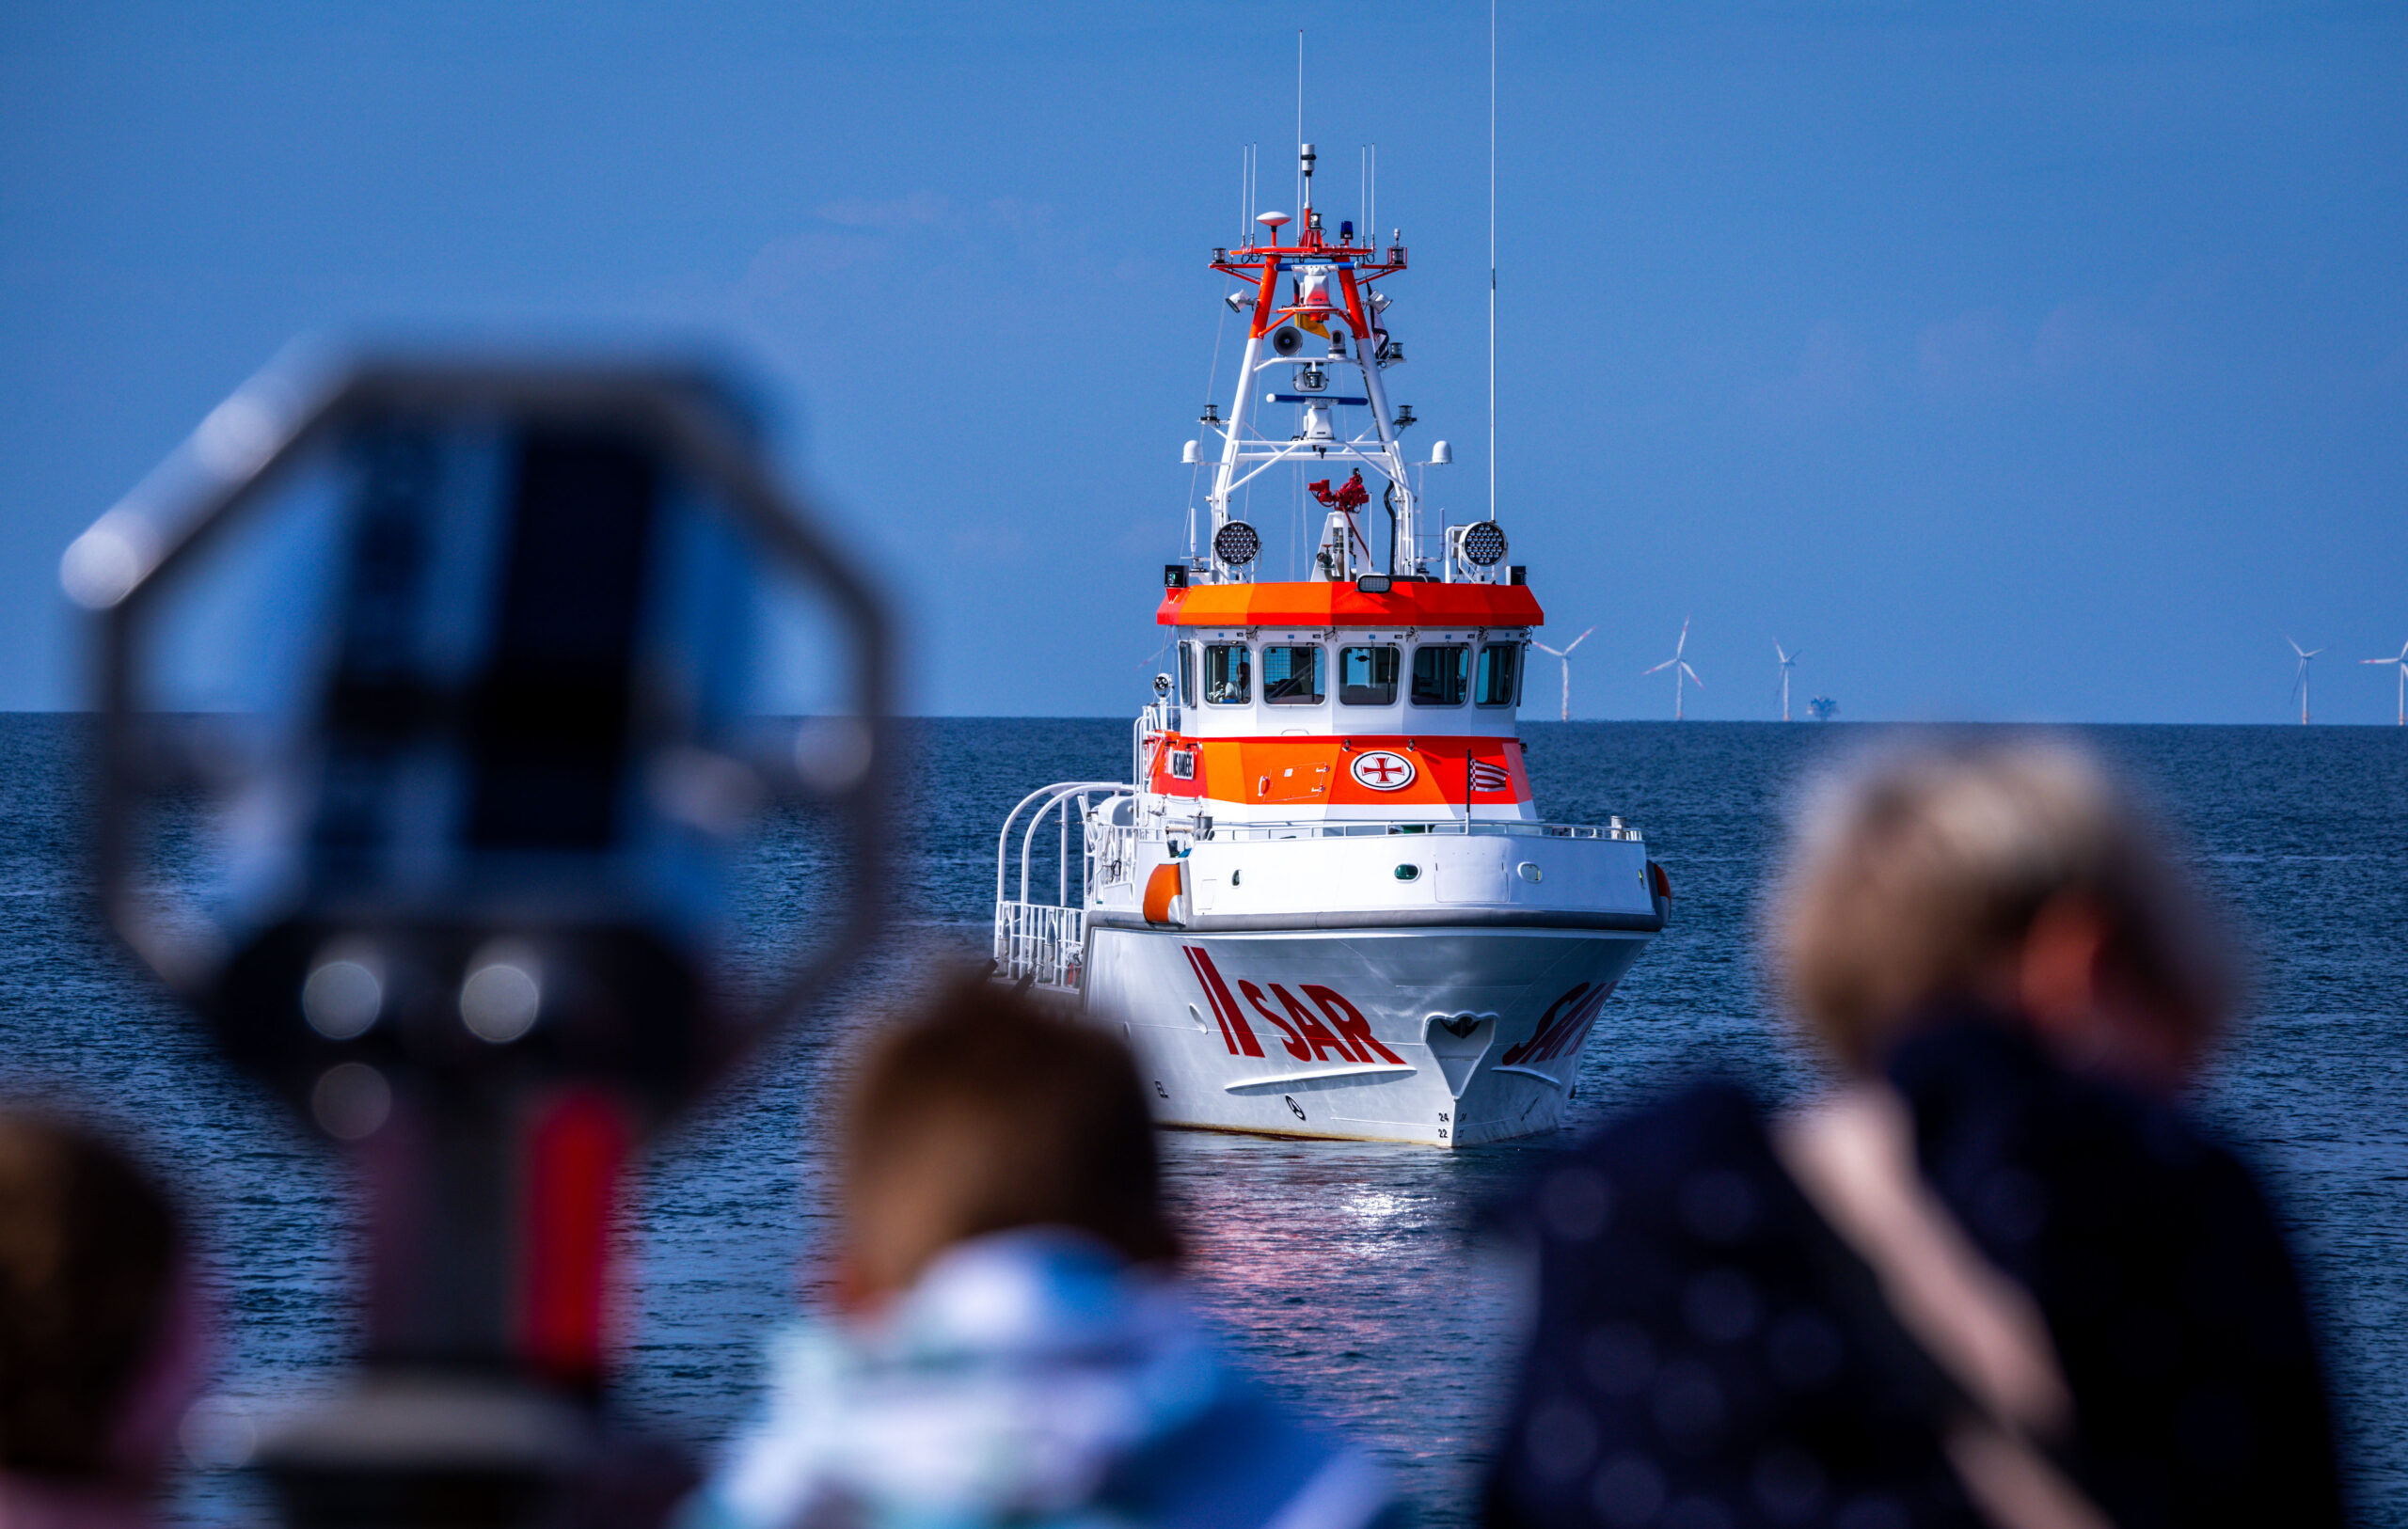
{"points": [[1040, 942], [1044, 941], [1255, 830]]}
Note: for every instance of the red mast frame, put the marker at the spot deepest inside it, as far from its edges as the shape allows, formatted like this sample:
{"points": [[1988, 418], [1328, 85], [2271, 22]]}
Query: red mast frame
{"points": [[1359, 266]]}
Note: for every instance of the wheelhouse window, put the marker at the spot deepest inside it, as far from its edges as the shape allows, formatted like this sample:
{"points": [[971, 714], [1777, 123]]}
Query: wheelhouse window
{"points": [[1187, 673], [1292, 674], [1440, 672], [1228, 673], [1500, 675], [1366, 676]]}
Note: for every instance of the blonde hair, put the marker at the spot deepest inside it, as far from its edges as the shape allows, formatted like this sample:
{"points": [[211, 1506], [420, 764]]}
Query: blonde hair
{"points": [[1915, 874]]}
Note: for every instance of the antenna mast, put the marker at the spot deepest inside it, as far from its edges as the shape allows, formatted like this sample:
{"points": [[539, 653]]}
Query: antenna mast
{"points": [[1492, 257], [1246, 195], [1300, 122]]}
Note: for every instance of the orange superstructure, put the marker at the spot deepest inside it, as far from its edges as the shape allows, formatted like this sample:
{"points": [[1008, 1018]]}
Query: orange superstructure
{"points": [[1405, 602]]}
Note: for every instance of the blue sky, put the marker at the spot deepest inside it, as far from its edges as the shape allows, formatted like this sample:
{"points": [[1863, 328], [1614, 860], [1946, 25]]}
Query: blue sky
{"points": [[2037, 362]]}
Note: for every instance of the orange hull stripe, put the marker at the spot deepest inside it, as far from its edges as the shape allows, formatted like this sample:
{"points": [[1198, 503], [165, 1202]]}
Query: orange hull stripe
{"points": [[1318, 771]]}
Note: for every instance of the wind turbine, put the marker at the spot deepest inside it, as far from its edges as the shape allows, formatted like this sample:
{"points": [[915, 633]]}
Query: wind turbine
{"points": [[2403, 662], [1564, 652], [2300, 684], [1678, 668], [1788, 662]]}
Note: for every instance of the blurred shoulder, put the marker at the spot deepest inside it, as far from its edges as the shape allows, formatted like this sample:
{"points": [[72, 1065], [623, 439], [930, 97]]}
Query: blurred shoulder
{"points": [[1703, 1346]]}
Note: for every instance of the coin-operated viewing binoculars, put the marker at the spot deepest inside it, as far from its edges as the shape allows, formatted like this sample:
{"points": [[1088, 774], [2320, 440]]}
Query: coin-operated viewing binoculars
{"points": [[442, 705]]}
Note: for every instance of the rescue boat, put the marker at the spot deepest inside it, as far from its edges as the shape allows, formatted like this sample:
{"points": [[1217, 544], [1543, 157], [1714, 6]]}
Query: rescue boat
{"points": [[1324, 903]]}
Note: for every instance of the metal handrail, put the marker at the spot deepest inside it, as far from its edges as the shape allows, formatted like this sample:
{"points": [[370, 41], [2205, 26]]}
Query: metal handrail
{"points": [[1110, 847], [1039, 941], [1048, 798], [1379, 827]]}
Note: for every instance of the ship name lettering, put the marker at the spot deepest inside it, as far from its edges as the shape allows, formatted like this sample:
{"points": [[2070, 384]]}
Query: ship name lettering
{"points": [[1235, 1032], [1339, 1029], [1563, 1027]]}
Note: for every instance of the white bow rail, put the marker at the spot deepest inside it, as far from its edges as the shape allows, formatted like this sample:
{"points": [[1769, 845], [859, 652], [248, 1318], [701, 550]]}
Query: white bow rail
{"points": [[1043, 942]]}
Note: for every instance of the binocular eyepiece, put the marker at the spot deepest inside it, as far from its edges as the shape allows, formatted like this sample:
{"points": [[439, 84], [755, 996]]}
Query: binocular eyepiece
{"points": [[447, 858]]}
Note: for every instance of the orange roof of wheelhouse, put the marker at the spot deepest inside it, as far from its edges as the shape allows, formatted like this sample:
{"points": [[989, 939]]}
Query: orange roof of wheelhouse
{"points": [[1335, 603]]}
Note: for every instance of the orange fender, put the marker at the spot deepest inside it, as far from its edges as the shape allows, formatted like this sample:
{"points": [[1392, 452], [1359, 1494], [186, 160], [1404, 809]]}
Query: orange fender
{"points": [[1165, 883]]}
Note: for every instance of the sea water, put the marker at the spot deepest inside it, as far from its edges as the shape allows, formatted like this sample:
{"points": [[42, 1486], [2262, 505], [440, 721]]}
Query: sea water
{"points": [[1345, 1274]]}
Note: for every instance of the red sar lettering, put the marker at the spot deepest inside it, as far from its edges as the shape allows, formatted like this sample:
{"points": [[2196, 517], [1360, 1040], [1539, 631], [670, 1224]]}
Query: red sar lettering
{"points": [[1566, 1018], [1235, 1032], [1305, 1037]]}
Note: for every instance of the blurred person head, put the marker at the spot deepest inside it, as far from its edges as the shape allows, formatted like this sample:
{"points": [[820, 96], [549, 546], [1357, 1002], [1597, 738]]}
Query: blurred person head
{"points": [[1009, 1347], [2019, 874], [99, 1343], [983, 1113]]}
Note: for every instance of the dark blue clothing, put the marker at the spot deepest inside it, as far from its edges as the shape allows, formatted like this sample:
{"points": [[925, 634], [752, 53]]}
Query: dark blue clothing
{"points": [[2165, 1280], [1710, 1355]]}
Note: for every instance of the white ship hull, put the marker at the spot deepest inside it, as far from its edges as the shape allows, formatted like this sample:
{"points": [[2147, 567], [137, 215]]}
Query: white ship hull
{"points": [[1442, 1037]]}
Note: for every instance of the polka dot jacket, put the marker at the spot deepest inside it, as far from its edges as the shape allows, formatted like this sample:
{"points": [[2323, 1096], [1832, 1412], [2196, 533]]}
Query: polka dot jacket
{"points": [[1707, 1354]]}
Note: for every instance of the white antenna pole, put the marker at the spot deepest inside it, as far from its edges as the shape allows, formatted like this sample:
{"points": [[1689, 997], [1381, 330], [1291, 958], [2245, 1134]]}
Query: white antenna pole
{"points": [[1245, 190], [1491, 259], [1300, 129]]}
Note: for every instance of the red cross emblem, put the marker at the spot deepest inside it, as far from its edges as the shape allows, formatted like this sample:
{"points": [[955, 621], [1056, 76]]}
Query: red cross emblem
{"points": [[1382, 771]]}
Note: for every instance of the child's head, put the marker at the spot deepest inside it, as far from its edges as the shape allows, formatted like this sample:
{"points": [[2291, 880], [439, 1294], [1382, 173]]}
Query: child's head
{"points": [[983, 1113], [95, 1362]]}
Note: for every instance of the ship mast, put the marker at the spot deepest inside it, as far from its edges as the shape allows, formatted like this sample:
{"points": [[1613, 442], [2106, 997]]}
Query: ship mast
{"points": [[1330, 287]]}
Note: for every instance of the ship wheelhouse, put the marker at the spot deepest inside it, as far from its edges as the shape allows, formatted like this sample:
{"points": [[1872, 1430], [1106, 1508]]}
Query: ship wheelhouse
{"points": [[1277, 690], [1372, 678]]}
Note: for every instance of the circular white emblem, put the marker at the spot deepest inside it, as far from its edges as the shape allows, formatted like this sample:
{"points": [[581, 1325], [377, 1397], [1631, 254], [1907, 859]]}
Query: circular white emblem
{"points": [[1384, 771]]}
